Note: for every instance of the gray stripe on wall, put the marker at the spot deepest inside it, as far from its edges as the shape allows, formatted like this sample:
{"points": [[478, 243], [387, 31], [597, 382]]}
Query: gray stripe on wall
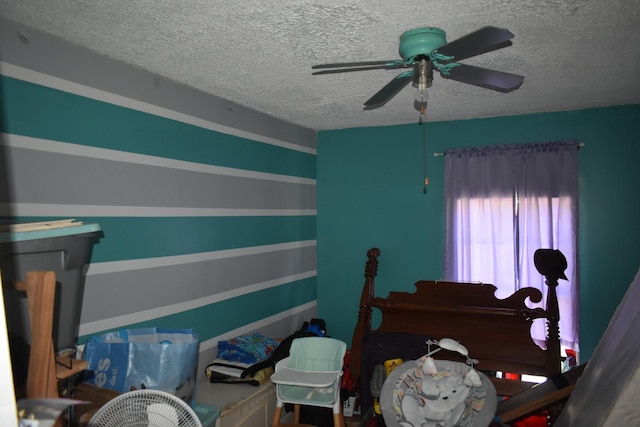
{"points": [[57, 182], [181, 309], [51, 55], [74, 211], [39, 144], [148, 263], [103, 296]]}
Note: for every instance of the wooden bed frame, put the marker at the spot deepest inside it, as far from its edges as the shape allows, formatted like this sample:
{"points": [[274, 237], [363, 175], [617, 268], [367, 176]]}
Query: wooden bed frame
{"points": [[495, 331]]}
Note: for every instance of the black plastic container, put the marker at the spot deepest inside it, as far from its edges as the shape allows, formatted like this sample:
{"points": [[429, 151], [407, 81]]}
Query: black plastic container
{"points": [[65, 250]]}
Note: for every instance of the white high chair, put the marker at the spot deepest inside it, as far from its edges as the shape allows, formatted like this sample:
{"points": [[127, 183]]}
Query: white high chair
{"points": [[310, 376]]}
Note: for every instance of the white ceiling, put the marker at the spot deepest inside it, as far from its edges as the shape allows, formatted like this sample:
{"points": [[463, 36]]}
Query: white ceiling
{"points": [[573, 53]]}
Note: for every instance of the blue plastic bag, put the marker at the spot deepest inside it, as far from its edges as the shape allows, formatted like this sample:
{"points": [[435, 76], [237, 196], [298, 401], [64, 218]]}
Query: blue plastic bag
{"points": [[153, 358]]}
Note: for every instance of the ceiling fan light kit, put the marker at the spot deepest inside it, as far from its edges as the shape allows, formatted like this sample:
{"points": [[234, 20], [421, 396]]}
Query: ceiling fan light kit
{"points": [[425, 49], [422, 79]]}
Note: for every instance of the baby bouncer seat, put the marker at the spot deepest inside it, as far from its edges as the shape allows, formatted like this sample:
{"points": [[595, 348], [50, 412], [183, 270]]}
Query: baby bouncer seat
{"points": [[438, 393]]}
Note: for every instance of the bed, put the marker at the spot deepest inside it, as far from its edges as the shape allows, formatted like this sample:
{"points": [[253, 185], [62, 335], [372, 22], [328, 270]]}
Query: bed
{"points": [[495, 331]]}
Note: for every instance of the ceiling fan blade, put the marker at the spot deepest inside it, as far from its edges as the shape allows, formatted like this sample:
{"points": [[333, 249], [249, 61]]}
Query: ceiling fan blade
{"points": [[490, 79], [349, 70], [388, 91], [481, 41], [357, 64]]}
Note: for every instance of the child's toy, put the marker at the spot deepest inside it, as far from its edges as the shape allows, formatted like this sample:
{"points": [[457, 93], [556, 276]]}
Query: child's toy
{"points": [[438, 393]]}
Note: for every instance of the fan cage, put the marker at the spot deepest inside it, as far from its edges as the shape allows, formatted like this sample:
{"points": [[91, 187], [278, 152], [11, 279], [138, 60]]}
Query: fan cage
{"points": [[148, 408]]}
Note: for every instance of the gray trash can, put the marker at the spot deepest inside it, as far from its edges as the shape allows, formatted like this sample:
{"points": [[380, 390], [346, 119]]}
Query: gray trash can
{"points": [[60, 247]]}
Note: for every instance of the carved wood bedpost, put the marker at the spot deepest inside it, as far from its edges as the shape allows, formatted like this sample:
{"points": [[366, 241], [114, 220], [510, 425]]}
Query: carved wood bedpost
{"points": [[551, 263], [364, 313], [553, 326]]}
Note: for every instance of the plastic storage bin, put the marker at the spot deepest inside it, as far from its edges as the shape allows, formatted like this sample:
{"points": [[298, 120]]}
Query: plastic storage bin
{"points": [[207, 414], [60, 247]]}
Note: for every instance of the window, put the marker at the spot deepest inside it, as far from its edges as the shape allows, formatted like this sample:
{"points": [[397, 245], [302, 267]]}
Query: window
{"points": [[502, 204]]}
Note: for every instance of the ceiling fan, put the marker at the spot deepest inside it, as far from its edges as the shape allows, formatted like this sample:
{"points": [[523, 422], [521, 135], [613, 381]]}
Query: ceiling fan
{"points": [[425, 49]]}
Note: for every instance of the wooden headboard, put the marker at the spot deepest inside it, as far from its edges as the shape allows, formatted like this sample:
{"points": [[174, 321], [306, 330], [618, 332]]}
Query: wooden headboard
{"points": [[495, 331]]}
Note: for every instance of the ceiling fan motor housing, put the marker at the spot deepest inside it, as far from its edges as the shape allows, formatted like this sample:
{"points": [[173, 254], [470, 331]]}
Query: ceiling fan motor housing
{"points": [[421, 41]]}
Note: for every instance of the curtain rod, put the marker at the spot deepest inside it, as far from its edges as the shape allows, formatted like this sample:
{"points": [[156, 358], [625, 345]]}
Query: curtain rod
{"points": [[580, 145]]}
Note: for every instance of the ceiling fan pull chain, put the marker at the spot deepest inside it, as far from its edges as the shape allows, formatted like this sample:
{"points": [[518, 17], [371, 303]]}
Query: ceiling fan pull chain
{"points": [[425, 148]]}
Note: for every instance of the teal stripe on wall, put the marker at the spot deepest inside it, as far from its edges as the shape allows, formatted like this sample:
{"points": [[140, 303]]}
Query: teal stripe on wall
{"points": [[42, 112], [216, 319], [149, 237]]}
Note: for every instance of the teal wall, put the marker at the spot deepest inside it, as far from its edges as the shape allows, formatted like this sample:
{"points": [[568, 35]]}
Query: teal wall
{"points": [[208, 209], [370, 193]]}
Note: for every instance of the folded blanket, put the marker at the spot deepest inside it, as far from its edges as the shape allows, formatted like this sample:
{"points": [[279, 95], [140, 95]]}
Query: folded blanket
{"points": [[247, 348], [226, 367], [223, 371], [250, 358]]}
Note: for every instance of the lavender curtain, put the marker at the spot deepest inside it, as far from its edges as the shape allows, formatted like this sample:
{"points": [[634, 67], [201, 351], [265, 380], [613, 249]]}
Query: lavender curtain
{"points": [[502, 204]]}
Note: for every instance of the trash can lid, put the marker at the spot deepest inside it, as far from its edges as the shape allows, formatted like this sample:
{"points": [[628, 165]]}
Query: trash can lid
{"points": [[45, 229]]}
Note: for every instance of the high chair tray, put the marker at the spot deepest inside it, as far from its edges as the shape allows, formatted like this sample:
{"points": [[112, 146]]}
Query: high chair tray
{"points": [[304, 378]]}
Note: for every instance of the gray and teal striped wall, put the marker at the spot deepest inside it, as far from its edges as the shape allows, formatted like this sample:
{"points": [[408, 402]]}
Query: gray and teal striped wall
{"points": [[208, 209]]}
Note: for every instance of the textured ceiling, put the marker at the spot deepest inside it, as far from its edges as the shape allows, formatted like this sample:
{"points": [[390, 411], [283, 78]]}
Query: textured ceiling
{"points": [[573, 53]]}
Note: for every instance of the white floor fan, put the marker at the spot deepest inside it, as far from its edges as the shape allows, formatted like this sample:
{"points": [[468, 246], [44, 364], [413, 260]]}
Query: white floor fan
{"points": [[145, 408]]}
